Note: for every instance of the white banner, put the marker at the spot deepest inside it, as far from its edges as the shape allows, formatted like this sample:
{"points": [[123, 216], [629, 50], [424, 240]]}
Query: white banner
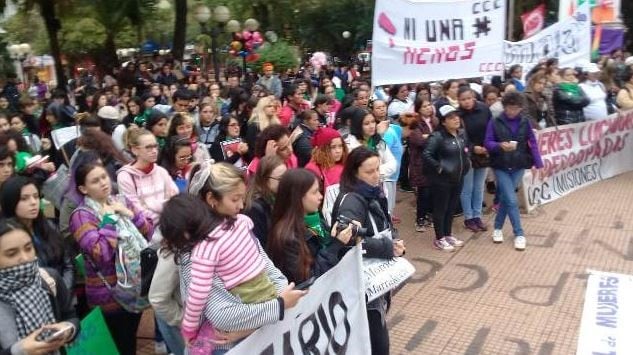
{"points": [[578, 155], [607, 317], [428, 40], [568, 40], [330, 319], [383, 275]]}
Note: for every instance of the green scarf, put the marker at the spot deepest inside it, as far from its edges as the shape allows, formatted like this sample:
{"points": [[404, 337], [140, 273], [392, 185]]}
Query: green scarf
{"points": [[161, 142], [313, 222], [372, 143], [570, 88]]}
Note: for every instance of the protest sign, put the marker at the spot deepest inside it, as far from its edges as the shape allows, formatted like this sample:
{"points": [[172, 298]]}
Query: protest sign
{"points": [[64, 135], [602, 11], [429, 40], [607, 317], [578, 155], [330, 319], [568, 40], [533, 21], [94, 336], [383, 275]]}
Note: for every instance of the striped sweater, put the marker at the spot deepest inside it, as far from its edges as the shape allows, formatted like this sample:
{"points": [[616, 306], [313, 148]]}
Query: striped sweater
{"points": [[232, 254], [100, 245], [226, 311]]}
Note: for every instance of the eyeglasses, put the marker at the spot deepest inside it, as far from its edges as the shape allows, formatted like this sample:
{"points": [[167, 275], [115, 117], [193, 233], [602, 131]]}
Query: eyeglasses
{"points": [[234, 125], [184, 159]]}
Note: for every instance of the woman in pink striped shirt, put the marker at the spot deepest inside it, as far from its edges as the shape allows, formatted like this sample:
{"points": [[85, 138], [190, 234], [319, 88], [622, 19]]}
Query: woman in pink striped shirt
{"points": [[230, 251]]}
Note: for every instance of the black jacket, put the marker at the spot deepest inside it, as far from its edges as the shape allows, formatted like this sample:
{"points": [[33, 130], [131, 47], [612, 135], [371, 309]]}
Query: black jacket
{"points": [[446, 157], [568, 108], [323, 259], [356, 207], [260, 213], [302, 145]]}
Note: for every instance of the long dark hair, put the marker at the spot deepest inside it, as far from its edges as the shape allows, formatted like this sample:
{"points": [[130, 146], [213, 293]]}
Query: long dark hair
{"points": [[20, 142], [349, 176], [223, 127], [11, 224], [273, 132], [168, 155], [9, 199], [82, 171], [356, 125], [287, 235], [185, 222], [258, 185], [102, 144]]}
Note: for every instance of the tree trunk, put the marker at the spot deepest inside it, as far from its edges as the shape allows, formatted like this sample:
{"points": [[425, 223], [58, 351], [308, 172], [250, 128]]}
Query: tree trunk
{"points": [[180, 30], [47, 11], [109, 49]]}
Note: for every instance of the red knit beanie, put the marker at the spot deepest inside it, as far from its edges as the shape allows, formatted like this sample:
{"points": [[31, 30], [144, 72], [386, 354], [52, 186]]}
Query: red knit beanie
{"points": [[323, 136]]}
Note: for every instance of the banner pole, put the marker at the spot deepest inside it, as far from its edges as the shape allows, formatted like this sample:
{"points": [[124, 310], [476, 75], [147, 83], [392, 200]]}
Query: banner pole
{"points": [[510, 34]]}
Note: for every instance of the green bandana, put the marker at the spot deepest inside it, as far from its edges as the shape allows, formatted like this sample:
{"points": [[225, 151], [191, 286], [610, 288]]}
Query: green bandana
{"points": [[161, 142], [313, 222], [570, 88]]}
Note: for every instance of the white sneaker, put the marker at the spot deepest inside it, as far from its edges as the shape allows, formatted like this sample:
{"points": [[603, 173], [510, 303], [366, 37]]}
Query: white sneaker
{"points": [[160, 348], [519, 242], [497, 236]]}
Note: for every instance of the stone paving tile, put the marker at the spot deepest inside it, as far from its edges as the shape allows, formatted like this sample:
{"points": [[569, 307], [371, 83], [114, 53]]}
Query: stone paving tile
{"points": [[491, 299]]}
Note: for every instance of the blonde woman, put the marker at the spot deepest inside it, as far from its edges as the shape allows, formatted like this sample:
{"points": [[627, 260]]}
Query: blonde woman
{"points": [[264, 115]]}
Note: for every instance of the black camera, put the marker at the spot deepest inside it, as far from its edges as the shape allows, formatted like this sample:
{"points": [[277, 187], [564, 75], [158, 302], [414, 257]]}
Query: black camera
{"points": [[344, 222]]}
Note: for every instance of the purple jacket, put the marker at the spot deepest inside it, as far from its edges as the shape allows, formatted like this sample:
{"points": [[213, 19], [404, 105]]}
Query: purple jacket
{"points": [[99, 244], [492, 145]]}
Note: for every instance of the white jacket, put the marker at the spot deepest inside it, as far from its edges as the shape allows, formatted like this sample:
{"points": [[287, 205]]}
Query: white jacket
{"points": [[388, 163]]}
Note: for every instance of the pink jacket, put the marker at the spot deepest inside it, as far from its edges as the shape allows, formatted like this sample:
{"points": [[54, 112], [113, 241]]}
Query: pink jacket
{"points": [[329, 176], [291, 163], [147, 192]]}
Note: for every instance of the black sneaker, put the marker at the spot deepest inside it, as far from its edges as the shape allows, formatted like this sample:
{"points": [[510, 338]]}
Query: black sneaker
{"points": [[406, 189], [491, 188]]}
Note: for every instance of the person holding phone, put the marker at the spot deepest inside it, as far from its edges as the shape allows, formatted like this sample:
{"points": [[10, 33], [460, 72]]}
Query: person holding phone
{"points": [[36, 312]]}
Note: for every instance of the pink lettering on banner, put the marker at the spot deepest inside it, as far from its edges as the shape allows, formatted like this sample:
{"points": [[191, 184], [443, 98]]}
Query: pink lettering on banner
{"points": [[439, 55]]}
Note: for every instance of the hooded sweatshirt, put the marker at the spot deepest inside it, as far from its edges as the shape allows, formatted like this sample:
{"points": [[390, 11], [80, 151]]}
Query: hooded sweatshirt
{"points": [[147, 191]]}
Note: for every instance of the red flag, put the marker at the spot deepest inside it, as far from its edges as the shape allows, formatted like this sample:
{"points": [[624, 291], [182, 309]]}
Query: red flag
{"points": [[533, 21]]}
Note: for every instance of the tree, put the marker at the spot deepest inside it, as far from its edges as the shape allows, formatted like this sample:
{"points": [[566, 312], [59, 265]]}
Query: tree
{"points": [[180, 29], [280, 54]]}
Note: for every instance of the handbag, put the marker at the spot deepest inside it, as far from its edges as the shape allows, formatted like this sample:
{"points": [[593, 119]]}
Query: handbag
{"points": [[149, 260]]}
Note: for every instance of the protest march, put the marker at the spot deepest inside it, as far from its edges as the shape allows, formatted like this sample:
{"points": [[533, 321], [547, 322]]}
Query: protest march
{"points": [[272, 187]]}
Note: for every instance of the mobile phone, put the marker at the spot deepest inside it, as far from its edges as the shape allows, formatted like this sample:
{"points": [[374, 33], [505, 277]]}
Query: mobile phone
{"points": [[57, 333], [305, 284]]}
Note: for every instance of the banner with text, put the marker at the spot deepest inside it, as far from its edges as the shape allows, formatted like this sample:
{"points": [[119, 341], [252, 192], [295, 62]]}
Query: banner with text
{"points": [[330, 319], [578, 155], [568, 40], [428, 40], [607, 317], [602, 11]]}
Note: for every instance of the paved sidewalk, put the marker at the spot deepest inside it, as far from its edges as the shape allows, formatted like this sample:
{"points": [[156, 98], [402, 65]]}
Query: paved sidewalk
{"points": [[490, 299]]}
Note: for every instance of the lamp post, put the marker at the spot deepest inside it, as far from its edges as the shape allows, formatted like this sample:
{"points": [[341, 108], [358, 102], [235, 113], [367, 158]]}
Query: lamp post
{"points": [[19, 52], [221, 15]]}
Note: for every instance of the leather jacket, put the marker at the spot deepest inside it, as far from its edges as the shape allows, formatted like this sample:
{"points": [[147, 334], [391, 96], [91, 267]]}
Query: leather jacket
{"points": [[446, 157]]}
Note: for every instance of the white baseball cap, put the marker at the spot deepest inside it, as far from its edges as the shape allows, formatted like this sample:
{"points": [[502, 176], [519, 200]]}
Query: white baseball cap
{"points": [[591, 68], [447, 110]]}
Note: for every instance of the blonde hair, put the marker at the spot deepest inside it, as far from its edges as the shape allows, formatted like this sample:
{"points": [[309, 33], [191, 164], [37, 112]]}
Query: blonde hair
{"points": [[219, 179], [259, 116], [132, 136]]}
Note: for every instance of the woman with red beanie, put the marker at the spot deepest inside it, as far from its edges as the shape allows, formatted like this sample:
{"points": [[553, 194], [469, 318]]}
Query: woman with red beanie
{"points": [[328, 156]]}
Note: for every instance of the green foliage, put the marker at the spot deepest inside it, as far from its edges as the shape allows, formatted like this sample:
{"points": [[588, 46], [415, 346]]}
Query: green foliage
{"points": [[280, 54], [33, 34]]}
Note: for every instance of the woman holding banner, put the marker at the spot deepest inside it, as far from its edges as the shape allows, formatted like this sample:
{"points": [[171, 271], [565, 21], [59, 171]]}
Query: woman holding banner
{"points": [[362, 199]]}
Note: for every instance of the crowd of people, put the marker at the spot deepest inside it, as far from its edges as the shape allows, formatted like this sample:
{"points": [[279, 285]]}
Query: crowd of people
{"points": [[247, 188]]}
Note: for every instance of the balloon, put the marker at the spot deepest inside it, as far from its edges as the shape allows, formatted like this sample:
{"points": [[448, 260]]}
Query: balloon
{"points": [[237, 36], [236, 45], [233, 52], [318, 60], [243, 54], [253, 57], [257, 37], [246, 35], [248, 45]]}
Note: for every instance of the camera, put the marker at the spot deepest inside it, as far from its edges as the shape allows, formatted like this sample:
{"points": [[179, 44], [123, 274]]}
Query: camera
{"points": [[344, 222]]}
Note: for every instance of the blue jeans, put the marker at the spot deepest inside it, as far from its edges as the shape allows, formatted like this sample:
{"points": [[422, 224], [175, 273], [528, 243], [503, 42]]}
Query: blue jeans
{"points": [[507, 182], [171, 337], [472, 196]]}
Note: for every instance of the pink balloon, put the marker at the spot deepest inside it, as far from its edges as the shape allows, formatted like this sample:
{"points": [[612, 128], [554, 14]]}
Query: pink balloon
{"points": [[257, 37], [246, 35]]}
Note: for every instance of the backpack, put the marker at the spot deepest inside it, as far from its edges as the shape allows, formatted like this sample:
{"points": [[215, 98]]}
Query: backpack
{"points": [[128, 290]]}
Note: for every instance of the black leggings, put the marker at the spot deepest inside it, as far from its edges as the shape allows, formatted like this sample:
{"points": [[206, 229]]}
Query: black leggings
{"points": [[445, 199], [424, 204], [378, 333], [123, 326]]}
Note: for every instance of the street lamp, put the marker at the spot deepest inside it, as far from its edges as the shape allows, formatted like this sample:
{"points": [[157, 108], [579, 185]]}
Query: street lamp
{"points": [[221, 15], [19, 52]]}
